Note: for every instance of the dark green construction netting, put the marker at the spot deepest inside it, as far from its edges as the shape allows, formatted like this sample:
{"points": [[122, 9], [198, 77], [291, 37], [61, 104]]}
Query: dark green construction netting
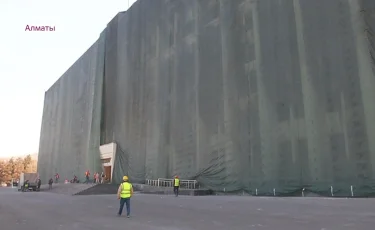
{"points": [[241, 95]]}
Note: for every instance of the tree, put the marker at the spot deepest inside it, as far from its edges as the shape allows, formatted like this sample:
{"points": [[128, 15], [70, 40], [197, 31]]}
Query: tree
{"points": [[12, 168], [18, 168], [27, 162], [2, 170], [9, 170]]}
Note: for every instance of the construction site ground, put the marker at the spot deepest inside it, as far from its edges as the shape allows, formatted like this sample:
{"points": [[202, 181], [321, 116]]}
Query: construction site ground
{"points": [[56, 211]]}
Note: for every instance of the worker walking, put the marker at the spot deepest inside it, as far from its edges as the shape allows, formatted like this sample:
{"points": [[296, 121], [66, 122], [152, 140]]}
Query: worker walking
{"points": [[50, 182], [39, 184], [176, 185], [124, 193]]}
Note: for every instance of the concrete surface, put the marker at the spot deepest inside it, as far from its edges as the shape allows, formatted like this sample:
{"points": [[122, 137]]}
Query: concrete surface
{"points": [[102, 189], [67, 189], [49, 211]]}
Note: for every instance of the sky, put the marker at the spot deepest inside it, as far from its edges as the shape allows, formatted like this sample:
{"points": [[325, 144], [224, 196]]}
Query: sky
{"points": [[31, 61]]}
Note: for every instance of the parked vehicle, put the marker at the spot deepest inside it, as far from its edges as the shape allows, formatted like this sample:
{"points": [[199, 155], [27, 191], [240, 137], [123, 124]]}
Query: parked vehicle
{"points": [[31, 179], [14, 183]]}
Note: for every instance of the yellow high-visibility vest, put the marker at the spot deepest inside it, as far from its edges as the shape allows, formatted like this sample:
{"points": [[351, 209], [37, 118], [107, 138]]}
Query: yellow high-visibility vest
{"points": [[176, 182], [126, 188]]}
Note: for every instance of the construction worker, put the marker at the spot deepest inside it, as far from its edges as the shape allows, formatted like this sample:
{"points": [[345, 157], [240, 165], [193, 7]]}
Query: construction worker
{"points": [[57, 177], [39, 184], [124, 193], [26, 186], [87, 175], [176, 185], [50, 182]]}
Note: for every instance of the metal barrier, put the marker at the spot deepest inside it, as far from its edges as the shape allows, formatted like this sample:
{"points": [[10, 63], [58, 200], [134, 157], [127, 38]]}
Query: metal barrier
{"points": [[163, 182]]}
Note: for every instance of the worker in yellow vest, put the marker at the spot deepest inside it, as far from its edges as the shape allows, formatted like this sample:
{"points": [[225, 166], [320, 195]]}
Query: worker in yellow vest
{"points": [[176, 185], [124, 193]]}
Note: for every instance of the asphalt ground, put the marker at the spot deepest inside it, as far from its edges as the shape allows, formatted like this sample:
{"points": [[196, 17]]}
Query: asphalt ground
{"points": [[51, 211]]}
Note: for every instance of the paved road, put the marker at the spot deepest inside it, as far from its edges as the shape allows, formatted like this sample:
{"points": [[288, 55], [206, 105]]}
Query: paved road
{"points": [[48, 211]]}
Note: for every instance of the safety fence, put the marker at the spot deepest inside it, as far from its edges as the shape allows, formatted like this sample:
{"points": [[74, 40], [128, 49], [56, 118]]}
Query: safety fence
{"points": [[328, 192], [193, 184], [163, 182]]}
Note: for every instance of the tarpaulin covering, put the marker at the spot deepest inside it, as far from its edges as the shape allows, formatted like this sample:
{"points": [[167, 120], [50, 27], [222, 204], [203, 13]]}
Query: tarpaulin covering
{"points": [[70, 133], [261, 96]]}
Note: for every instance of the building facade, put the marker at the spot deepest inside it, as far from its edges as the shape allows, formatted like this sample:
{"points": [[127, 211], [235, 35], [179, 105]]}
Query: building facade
{"points": [[240, 95]]}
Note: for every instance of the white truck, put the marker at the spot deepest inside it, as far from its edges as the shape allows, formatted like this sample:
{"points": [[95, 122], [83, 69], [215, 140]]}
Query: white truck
{"points": [[32, 179]]}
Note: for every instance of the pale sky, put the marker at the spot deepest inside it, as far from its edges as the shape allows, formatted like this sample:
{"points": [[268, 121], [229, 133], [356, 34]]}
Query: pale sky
{"points": [[31, 61]]}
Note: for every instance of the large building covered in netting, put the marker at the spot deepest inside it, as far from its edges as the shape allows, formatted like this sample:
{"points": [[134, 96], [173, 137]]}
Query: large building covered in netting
{"points": [[238, 94]]}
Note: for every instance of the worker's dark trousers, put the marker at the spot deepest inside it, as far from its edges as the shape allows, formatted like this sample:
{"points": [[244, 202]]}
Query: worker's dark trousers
{"points": [[175, 190], [122, 202]]}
